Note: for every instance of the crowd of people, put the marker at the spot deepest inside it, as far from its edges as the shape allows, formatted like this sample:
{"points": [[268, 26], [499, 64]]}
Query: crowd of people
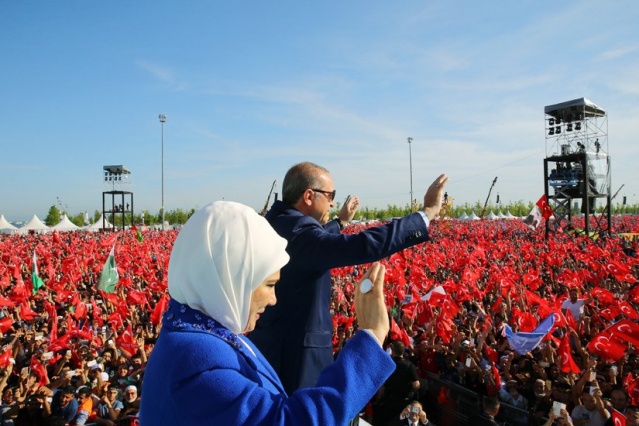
{"points": [[75, 354], [451, 302]]}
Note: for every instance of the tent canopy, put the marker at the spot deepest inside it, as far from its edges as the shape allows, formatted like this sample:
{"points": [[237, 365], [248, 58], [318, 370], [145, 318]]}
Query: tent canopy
{"points": [[98, 224], [34, 224], [65, 225], [4, 224]]}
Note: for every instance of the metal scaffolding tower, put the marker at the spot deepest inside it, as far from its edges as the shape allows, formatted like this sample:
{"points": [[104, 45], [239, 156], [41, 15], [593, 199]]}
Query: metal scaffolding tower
{"points": [[577, 165]]}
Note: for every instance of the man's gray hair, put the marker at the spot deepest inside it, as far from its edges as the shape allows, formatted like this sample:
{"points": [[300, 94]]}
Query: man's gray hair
{"points": [[298, 179]]}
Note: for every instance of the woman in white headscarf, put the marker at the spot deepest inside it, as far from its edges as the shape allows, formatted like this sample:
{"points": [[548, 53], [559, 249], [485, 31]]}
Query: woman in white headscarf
{"points": [[223, 269]]}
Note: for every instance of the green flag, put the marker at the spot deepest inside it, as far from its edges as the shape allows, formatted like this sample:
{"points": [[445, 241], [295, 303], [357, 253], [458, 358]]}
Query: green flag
{"points": [[35, 279], [138, 234], [109, 276]]}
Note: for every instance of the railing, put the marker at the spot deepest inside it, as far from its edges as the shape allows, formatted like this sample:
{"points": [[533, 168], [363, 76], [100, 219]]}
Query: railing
{"points": [[460, 404]]}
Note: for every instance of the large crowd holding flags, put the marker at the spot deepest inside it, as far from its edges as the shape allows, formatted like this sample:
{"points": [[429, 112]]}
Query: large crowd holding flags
{"points": [[484, 308]]}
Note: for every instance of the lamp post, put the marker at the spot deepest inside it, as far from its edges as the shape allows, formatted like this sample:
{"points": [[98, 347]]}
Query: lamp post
{"points": [[410, 158], [162, 118]]}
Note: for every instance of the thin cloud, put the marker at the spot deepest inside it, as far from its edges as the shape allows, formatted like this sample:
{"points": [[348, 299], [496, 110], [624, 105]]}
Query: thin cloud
{"points": [[163, 75]]}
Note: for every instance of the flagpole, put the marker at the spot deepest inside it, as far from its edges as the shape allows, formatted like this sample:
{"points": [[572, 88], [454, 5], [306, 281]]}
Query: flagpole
{"points": [[162, 118], [410, 159]]}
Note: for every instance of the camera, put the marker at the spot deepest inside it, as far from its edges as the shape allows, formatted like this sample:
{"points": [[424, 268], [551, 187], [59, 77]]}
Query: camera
{"points": [[415, 410]]}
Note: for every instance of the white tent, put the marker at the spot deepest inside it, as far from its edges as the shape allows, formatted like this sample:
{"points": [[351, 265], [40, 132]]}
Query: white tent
{"points": [[473, 216], [6, 227], [491, 215], [34, 224], [500, 215], [508, 215], [98, 224], [463, 217], [65, 225]]}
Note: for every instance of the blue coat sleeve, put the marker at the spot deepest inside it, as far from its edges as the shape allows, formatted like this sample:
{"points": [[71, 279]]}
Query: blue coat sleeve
{"points": [[226, 393]]}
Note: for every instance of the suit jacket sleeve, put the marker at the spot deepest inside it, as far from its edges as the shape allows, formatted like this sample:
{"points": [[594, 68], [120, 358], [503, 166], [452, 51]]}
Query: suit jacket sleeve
{"points": [[309, 240]]}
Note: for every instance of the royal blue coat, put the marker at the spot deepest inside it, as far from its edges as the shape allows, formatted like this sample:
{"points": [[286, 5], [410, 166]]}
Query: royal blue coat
{"points": [[295, 335], [199, 373]]}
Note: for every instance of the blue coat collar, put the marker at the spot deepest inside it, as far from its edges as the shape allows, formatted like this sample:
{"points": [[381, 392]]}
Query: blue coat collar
{"points": [[183, 318]]}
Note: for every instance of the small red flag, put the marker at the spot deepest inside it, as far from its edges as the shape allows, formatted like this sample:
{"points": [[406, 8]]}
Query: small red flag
{"points": [[160, 307], [607, 346], [618, 419], [544, 208], [568, 364]]}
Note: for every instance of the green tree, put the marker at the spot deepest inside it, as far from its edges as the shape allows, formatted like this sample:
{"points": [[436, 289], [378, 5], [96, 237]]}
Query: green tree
{"points": [[78, 219], [53, 217]]}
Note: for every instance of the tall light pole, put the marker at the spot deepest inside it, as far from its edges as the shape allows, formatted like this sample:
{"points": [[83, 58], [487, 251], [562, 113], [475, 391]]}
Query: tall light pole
{"points": [[162, 118], [410, 158]]}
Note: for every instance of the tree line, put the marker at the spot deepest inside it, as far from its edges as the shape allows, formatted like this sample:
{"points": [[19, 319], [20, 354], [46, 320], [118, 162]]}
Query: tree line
{"points": [[180, 216]]}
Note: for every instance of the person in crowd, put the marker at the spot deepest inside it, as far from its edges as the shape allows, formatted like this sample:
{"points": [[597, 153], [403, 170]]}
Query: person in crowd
{"points": [[130, 402], [9, 407], [574, 304], [541, 401], [85, 406], [223, 270], [487, 416], [296, 335], [109, 407], [32, 412], [399, 388], [412, 415], [619, 400], [563, 419], [632, 415], [63, 404], [591, 411], [511, 396]]}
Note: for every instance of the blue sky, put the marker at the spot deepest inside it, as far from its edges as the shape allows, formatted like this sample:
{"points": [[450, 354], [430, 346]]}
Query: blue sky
{"points": [[250, 88]]}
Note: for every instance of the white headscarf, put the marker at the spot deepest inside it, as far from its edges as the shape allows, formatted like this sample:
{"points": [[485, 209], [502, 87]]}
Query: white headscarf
{"points": [[223, 253]]}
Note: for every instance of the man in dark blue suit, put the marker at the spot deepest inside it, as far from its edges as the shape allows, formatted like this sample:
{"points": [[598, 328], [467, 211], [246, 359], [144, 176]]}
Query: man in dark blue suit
{"points": [[295, 335]]}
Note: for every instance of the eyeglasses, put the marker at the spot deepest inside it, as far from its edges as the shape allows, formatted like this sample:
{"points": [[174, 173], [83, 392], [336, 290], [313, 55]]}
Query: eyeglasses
{"points": [[329, 194]]}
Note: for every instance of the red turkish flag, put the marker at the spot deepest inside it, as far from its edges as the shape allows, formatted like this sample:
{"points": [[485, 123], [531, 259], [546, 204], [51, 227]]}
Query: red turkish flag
{"points": [[618, 419], [610, 313], [5, 324], [135, 297], [626, 330], [80, 310], [160, 307], [443, 328], [40, 371], [491, 354], [126, 341], [26, 313], [395, 331], [568, 364], [570, 320], [602, 295], [116, 320], [607, 346], [61, 343], [633, 391], [6, 302], [544, 208], [628, 311], [5, 358], [620, 271], [96, 312], [5, 281]]}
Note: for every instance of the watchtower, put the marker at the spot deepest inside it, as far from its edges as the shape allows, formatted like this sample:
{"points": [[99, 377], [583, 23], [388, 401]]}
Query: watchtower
{"points": [[117, 204], [577, 164]]}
